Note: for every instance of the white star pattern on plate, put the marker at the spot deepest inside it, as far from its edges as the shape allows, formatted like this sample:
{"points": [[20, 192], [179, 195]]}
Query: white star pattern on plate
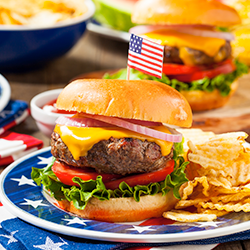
{"points": [[34, 204], [209, 223], [5, 113], [24, 180], [141, 229], [10, 237], [50, 245], [44, 161], [76, 220]]}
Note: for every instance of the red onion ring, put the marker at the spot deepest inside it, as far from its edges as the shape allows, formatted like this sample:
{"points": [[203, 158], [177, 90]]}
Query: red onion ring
{"points": [[130, 124], [80, 122], [137, 128]]}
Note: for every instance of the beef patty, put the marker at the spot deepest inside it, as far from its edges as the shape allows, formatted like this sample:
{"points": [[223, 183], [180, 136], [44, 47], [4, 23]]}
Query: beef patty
{"points": [[171, 55], [114, 156]]}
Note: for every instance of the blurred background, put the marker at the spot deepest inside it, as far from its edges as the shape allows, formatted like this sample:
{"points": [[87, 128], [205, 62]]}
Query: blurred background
{"points": [[45, 44]]}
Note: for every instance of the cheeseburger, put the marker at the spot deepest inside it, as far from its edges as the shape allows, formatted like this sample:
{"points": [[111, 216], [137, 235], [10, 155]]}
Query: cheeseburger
{"points": [[197, 54], [118, 158]]}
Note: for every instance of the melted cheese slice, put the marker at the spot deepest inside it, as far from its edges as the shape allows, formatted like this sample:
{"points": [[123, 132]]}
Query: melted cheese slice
{"points": [[80, 140], [209, 45]]}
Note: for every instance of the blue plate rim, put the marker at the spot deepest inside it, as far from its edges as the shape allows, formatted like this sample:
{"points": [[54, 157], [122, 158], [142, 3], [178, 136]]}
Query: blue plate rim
{"points": [[106, 236]]}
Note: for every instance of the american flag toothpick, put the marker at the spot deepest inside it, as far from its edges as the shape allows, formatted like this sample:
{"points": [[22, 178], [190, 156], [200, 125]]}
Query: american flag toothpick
{"points": [[145, 56]]}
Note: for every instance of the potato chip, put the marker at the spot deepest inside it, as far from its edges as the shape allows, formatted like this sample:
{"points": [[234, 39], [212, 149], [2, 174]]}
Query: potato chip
{"points": [[244, 205], [218, 213], [185, 216], [230, 197], [195, 135], [189, 187], [223, 159], [39, 12], [219, 177]]}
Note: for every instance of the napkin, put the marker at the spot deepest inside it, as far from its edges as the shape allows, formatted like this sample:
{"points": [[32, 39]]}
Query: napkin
{"points": [[16, 234], [14, 145], [14, 113]]}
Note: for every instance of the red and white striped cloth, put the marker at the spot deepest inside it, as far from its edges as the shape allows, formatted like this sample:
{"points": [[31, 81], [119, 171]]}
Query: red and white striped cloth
{"points": [[14, 146]]}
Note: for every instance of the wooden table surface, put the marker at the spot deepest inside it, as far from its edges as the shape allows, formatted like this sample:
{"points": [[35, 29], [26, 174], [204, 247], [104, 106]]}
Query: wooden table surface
{"points": [[95, 53]]}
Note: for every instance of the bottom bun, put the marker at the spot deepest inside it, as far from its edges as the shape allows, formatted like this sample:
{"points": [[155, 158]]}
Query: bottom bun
{"points": [[202, 100], [123, 209]]}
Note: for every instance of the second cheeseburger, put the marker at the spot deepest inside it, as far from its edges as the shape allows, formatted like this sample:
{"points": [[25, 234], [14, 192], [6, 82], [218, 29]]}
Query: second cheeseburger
{"points": [[118, 158], [197, 55]]}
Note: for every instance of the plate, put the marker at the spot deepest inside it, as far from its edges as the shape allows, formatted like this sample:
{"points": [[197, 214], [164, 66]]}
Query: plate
{"points": [[5, 92], [108, 32], [23, 198]]}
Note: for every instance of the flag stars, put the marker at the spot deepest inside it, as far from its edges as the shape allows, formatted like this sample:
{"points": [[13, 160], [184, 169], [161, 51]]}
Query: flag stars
{"points": [[135, 44], [209, 223], [44, 160], [10, 237], [34, 204], [141, 229], [51, 245], [76, 220], [24, 180]]}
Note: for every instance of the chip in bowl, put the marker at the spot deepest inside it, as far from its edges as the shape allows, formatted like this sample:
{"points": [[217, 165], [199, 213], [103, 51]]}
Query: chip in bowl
{"points": [[39, 12]]}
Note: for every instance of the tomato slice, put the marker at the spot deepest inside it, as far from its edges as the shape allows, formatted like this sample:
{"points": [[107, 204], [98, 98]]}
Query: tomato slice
{"points": [[143, 179], [178, 69], [66, 173], [220, 68]]}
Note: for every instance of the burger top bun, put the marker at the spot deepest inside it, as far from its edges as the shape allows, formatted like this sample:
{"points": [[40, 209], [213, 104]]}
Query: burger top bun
{"points": [[208, 12], [131, 99]]}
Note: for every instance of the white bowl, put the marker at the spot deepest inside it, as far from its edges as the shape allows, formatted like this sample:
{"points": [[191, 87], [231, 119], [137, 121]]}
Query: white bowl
{"points": [[5, 92], [45, 120]]}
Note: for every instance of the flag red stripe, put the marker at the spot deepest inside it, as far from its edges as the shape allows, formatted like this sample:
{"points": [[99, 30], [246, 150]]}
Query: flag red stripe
{"points": [[152, 46], [140, 64], [144, 60], [152, 52], [151, 57]]}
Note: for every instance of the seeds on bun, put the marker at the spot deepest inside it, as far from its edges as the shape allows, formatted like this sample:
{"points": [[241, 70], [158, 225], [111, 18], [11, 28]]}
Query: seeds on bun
{"points": [[115, 159]]}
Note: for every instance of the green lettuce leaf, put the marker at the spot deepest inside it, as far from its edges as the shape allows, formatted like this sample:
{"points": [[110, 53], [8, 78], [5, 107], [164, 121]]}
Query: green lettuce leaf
{"points": [[49, 180], [221, 82], [96, 188]]}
